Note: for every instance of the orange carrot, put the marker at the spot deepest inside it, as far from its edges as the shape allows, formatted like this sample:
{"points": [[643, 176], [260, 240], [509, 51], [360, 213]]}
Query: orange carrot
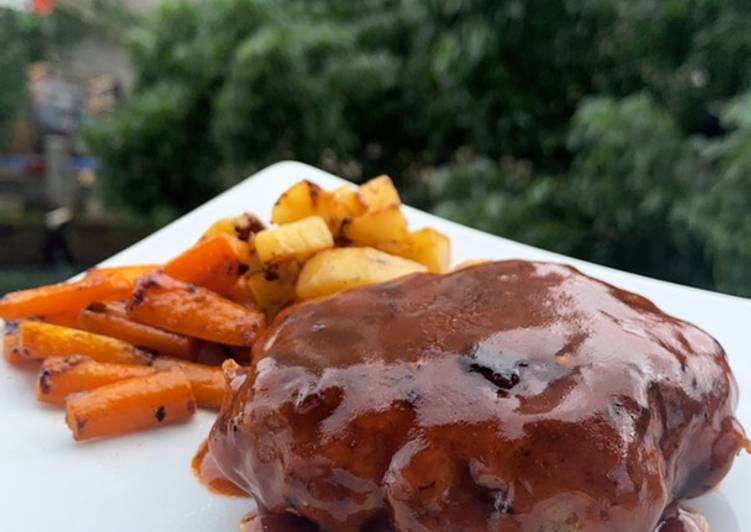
{"points": [[182, 308], [38, 340], [96, 318], [59, 377], [207, 382], [214, 262], [129, 405], [98, 285], [11, 351], [241, 293], [125, 274], [64, 319]]}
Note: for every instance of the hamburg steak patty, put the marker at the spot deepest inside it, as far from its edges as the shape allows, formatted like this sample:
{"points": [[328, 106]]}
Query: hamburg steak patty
{"points": [[508, 396]]}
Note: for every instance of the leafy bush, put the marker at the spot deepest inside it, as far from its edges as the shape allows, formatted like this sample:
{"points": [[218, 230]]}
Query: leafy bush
{"points": [[19, 48]]}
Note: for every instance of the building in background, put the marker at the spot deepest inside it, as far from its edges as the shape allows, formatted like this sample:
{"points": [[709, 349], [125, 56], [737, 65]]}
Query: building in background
{"points": [[47, 205]]}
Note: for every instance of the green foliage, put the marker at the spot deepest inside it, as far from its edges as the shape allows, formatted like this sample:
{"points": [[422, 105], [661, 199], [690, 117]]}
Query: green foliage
{"points": [[591, 127], [19, 46], [719, 211], [157, 153], [632, 169]]}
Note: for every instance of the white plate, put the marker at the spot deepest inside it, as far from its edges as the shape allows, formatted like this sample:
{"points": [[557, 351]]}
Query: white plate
{"points": [[143, 482]]}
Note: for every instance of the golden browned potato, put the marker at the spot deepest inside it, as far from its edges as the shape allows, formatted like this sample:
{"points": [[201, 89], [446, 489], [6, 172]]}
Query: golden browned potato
{"points": [[306, 199], [373, 228], [274, 287], [379, 193], [296, 240], [337, 269], [224, 226], [350, 199], [298, 202], [426, 246], [242, 227]]}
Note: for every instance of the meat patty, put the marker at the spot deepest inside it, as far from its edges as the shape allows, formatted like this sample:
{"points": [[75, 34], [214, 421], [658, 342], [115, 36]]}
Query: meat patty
{"points": [[508, 396]]}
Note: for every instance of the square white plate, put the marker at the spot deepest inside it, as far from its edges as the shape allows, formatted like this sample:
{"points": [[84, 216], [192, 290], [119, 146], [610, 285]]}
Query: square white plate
{"points": [[143, 481]]}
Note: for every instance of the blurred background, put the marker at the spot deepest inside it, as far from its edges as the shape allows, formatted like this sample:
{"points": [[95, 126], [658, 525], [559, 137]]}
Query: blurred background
{"points": [[617, 131]]}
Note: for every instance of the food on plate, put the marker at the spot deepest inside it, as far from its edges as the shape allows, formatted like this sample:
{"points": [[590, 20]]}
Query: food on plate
{"points": [[102, 319], [11, 351], [338, 269], [296, 240], [426, 246], [306, 199], [101, 284], [60, 377], [215, 262], [273, 287], [387, 226], [350, 200], [210, 303], [39, 340], [242, 227], [191, 310], [160, 398], [379, 193], [207, 382], [504, 396]]}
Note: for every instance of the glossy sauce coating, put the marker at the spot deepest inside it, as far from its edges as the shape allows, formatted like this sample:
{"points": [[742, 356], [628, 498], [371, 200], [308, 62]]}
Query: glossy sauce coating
{"points": [[205, 469], [509, 396]]}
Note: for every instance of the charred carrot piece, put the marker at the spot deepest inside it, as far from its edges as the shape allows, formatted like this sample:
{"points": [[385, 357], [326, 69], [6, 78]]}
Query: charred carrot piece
{"points": [[209, 386], [96, 318], [242, 294], [98, 285], [175, 306], [11, 350], [214, 263], [38, 340], [60, 377], [130, 405]]}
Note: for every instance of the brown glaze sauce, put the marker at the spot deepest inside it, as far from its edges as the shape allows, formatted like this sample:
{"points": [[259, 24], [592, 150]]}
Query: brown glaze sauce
{"points": [[679, 519], [208, 473], [509, 396]]}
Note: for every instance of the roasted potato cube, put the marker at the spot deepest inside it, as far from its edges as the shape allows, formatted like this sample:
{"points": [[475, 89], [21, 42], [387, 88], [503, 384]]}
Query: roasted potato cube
{"points": [[334, 270], [223, 226], [426, 246], [379, 193], [350, 200], [372, 228], [298, 202], [297, 240], [254, 263], [274, 287], [307, 199]]}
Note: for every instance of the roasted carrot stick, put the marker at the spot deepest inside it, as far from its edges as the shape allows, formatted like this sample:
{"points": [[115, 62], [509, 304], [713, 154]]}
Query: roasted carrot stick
{"points": [[207, 382], [182, 308], [241, 293], [129, 405], [38, 340], [214, 262], [99, 285], [65, 319], [59, 377], [125, 274], [11, 351], [96, 318]]}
